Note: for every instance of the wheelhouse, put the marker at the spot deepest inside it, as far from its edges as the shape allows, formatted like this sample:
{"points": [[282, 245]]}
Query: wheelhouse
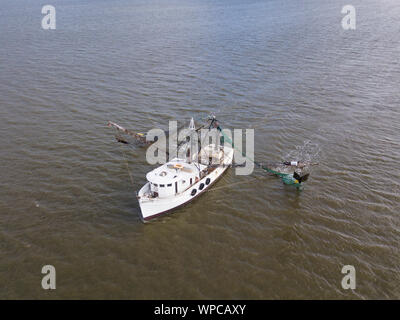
{"points": [[172, 178]]}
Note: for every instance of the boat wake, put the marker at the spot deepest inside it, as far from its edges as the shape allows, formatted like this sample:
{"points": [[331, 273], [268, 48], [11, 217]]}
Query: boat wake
{"points": [[308, 152]]}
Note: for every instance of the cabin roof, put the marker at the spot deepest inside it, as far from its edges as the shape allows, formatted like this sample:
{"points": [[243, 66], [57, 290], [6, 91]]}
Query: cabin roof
{"points": [[169, 173]]}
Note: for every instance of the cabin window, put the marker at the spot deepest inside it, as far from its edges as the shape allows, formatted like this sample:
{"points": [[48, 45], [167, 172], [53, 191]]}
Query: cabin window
{"points": [[162, 185], [155, 184], [191, 181], [169, 185]]}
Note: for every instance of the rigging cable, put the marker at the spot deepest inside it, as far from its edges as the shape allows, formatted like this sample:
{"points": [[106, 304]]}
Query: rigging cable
{"points": [[126, 158]]}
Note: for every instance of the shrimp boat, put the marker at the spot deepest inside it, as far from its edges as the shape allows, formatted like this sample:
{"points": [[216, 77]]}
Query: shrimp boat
{"points": [[195, 170], [182, 180]]}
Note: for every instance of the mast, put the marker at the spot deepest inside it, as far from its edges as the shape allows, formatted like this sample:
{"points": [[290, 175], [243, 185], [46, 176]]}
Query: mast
{"points": [[191, 125], [192, 129]]}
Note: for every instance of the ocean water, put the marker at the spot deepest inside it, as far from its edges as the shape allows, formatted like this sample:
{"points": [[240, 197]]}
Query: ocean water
{"points": [[286, 68]]}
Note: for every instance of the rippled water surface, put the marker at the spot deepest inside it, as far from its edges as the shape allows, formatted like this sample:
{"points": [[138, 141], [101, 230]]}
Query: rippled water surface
{"points": [[285, 68]]}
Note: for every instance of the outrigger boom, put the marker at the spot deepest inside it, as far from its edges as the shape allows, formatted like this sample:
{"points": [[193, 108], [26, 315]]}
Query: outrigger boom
{"points": [[140, 137], [288, 178]]}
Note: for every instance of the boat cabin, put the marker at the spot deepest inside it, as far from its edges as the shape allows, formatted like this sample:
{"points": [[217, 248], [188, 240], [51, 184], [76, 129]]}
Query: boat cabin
{"points": [[172, 178]]}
